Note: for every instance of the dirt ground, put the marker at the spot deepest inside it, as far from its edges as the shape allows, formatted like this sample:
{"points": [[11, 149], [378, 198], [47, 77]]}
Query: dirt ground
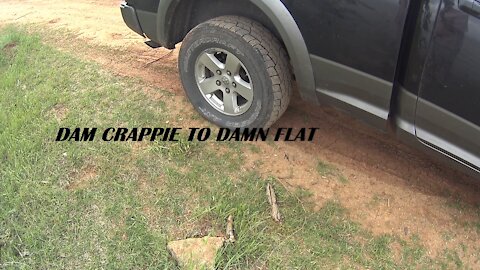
{"points": [[391, 188]]}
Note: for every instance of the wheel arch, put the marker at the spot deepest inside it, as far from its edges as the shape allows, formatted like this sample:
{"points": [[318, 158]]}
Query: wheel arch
{"points": [[176, 17]]}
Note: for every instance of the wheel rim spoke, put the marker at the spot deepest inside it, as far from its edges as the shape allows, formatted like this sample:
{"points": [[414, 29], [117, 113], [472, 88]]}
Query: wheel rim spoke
{"points": [[211, 62], [208, 85], [232, 64], [230, 103], [244, 89]]}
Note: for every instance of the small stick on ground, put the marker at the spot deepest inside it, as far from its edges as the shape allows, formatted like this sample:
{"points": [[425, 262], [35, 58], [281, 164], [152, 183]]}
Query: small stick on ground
{"points": [[158, 59], [230, 230], [24, 15], [272, 199]]}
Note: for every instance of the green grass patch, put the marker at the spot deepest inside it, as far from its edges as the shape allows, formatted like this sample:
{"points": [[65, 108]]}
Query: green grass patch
{"points": [[116, 205], [325, 169], [45, 221]]}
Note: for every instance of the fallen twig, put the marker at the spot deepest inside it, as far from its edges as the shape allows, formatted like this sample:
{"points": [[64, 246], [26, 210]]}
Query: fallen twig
{"points": [[26, 14], [158, 59], [272, 199], [286, 239], [230, 234]]}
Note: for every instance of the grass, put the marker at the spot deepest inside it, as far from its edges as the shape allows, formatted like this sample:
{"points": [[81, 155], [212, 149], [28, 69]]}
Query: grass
{"points": [[116, 205], [325, 170], [43, 224]]}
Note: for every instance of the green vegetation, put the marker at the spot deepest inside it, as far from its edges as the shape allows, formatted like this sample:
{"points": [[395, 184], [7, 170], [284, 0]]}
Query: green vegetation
{"points": [[115, 205], [325, 170]]}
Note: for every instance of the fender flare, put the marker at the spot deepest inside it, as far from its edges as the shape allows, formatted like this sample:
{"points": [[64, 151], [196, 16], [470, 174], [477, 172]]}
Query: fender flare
{"points": [[285, 25]]}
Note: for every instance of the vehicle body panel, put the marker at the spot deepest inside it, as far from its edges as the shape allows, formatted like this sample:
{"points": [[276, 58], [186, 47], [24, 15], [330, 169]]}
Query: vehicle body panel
{"points": [[354, 49], [364, 35], [448, 108]]}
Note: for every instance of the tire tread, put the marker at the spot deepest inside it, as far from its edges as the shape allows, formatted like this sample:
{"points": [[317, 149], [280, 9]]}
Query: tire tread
{"points": [[274, 56]]}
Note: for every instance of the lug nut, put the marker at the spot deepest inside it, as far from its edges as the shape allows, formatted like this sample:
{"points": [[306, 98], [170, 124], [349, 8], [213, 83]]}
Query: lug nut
{"points": [[234, 84], [218, 83], [229, 73], [219, 72], [227, 90]]}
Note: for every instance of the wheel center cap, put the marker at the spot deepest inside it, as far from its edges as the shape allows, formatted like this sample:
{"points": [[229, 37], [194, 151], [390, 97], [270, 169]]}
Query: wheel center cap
{"points": [[225, 80]]}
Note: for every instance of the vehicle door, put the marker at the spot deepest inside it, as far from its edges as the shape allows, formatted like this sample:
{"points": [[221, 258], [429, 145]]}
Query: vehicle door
{"points": [[448, 106]]}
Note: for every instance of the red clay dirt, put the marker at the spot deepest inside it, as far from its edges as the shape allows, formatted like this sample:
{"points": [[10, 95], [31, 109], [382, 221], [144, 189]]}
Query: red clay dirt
{"points": [[391, 188]]}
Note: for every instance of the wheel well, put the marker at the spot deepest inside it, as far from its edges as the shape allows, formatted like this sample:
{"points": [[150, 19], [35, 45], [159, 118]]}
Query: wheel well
{"points": [[190, 13], [183, 15]]}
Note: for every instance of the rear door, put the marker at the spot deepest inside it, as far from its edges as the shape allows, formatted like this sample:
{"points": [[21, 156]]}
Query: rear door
{"points": [[448, 107]]}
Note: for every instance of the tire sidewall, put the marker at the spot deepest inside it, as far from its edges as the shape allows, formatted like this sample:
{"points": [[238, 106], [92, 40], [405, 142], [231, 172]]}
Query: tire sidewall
{"points": [[205, 37]]}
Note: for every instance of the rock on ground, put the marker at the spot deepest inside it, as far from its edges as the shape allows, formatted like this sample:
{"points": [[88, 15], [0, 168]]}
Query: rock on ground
{"points": [[196, 253]]}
